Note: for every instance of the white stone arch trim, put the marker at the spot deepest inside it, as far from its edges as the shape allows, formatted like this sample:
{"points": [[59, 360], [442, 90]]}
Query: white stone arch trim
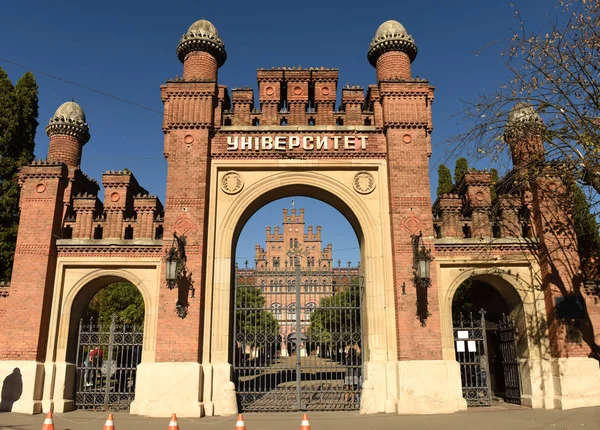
{"points": [[95, 274], [529, 313], [373, 254]]}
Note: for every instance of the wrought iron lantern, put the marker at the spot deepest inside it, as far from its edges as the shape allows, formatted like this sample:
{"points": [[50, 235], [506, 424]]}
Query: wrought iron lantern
{"points": [[422, 273], [176, 260], [177, 274], [421, 261]]}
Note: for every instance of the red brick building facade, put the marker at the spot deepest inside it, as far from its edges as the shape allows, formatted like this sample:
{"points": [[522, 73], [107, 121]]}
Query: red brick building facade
{"points": [[229, 153]]}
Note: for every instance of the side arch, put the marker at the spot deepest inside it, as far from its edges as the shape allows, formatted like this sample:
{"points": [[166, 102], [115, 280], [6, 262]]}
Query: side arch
{"points": [[78, 294], [526, 306]]}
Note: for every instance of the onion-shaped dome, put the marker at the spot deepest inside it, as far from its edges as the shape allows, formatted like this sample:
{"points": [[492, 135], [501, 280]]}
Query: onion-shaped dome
{"points": [[202, 36], [523, 112], [69, 119], [391, 36]]}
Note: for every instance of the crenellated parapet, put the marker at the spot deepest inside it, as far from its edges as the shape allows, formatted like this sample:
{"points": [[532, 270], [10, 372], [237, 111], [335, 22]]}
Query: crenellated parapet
{"points": [[471, 212], [297, 96]]}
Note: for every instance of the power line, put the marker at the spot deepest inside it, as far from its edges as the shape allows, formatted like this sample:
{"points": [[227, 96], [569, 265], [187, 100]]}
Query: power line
{"points": [[85, 87]]}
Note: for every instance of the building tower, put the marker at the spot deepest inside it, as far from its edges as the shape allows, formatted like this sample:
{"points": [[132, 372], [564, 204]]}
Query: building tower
{"points": [[45, 190], [407, 124], [189, 120]]}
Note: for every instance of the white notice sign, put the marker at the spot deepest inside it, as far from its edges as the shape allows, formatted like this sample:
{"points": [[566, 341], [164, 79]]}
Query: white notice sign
{"points": [[460, 346], [472, 346], [462, 334]]}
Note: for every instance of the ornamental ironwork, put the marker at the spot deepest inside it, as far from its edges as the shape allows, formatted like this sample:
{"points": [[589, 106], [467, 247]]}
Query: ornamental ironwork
{"points": [[106, 365], [298, 337]]}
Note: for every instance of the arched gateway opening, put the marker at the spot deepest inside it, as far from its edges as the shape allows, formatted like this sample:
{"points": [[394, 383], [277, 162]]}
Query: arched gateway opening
{"points": [[105, 343], [489, 338], [297, 320]]}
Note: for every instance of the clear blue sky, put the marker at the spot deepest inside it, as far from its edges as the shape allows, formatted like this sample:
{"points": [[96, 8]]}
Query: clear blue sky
{"points": [[127, 49]]}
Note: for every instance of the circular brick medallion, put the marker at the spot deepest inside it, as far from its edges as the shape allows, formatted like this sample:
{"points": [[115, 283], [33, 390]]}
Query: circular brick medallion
{"points": [[115, 197], [297, 91], [40, 188], [364, 183], [325, 91], [188, 139], [479, 195], [407, 138], [232, 183], [269, 91]]}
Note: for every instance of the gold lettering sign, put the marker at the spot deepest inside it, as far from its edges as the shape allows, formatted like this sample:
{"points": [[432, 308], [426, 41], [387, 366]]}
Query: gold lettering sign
{"points": [[304, 143]]}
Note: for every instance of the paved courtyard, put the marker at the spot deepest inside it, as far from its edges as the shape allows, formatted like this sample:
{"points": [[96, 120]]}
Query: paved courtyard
{"points": [[503, 417]]}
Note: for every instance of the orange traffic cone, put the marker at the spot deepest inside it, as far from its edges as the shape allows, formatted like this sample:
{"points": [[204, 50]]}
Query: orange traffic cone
{"points": [[173, 423], [48, 422], [305, 425], [240, 425], [109, 424]]}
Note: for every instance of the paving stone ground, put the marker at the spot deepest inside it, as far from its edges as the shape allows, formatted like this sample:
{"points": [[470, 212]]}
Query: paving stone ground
{"points": [[505, 417]]}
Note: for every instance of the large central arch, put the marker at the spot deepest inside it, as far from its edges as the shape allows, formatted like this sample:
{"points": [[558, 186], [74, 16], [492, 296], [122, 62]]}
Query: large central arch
{"points": [[367, 213]]}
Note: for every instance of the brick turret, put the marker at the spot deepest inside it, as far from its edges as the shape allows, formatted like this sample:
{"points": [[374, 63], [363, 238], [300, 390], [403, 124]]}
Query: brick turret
{"points": [[201, 51], [523, 135], [391, 51], [68, 132]]}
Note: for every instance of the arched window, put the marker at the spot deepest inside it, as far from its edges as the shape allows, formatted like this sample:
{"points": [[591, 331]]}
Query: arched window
{"points": [[291, 286], [291, 312], [276, 310], [296, 243], [309, 309], [280, 286]]}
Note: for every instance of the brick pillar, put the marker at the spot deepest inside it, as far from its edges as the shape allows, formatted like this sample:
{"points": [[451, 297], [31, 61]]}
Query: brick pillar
{"points": [[509, 216], [475, 187], [146, 208], [325, 93], [242, 100], [187, 149], [353, 99], [449, 208], [86, 208], [25, 325], [405, 104], [270, 95]]}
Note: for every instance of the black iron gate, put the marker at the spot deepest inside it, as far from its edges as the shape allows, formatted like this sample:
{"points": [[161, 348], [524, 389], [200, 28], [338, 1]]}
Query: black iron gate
{"points": [[298, 336], [470, 344], [107, 359], [510, 362]]}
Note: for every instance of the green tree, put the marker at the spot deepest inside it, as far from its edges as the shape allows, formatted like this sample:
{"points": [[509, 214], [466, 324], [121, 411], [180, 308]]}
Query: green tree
{"points": [[495, 180], [460, 169], [337, 314], [251, 317], [445, 184], [18, 122], [461, 302], [122, 299]]}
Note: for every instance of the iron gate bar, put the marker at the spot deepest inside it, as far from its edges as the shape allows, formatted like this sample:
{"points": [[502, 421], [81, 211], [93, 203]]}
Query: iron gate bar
{"points": [[106, 362], [267, 375], [510, 361], [474, 367]]}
